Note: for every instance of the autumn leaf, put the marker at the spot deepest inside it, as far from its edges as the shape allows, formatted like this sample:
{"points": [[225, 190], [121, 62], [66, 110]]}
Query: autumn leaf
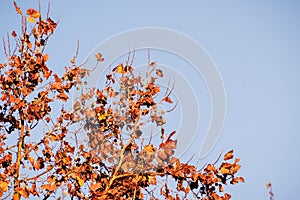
{"points": [[30, 19], [95, 186], [33, 13], [49, 187], [150, 150], [168, 100], [152, 180], [115, 162], [62, 96], [239, 179], [23, 192], [45, 57], [18, 10], [80, 181], [120, 69], [14, 34], [228, 155], [153, 64], [99, 57], [159, 73], [3, 187], [53, 137], [224, 170]]}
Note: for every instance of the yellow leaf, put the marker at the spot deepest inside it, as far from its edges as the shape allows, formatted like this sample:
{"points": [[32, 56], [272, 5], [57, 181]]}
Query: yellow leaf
{"points": [[53, 137], [101, 117], [80, 181], [30, 19], [3, 186], [150, 150], [152, 180], [224, 170], [36, 14], [23, 192], [120, 68]]}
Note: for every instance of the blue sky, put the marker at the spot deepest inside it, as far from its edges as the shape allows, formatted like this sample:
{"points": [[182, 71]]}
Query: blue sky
{"points": [[255, 45]]}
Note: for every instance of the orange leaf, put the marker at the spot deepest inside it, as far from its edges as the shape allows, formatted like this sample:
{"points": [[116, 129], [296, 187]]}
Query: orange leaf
{"points": [[224, 170], [56, 86], [3, 186], [95, 186], [152, 180], [33, 13], [167, 99], [53, 137], [99, 57], [240, 179], [45, 57], [49, 187], [228, 155], [150, 150], [17, 8], [62, 96]]}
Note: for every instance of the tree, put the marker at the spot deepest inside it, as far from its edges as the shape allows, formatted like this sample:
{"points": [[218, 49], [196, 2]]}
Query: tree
{"points": [[40, 152]]}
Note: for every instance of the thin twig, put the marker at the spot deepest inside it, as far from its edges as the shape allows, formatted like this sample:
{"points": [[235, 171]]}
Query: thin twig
{"points": [[218, 158], [41, 174]]}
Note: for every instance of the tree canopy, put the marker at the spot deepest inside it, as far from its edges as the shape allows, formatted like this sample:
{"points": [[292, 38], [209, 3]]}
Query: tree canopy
{"points": [[40, 153]]}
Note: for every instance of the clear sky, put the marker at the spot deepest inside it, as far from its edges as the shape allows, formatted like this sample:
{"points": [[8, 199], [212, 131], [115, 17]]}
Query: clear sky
{"points": [[255, 45]]}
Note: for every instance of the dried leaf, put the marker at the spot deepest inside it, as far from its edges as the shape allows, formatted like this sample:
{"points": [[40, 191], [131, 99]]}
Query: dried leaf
{"points": [[18, 10], [62, 97], [14, 34], [95, 186], [99, 57], [159, 73], [228, 155], [168, 100], [33, 13]]}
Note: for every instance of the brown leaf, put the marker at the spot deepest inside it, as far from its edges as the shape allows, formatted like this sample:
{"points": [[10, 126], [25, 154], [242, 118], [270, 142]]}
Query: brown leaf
{"points": [[62, 97], [14, 34], [99, 57], [159, 73], [18, 10]]}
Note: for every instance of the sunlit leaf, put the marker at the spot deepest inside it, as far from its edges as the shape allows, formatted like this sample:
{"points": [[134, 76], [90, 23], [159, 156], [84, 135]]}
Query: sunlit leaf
{"points": [[228, 155], [18, 10], [30, 19]]}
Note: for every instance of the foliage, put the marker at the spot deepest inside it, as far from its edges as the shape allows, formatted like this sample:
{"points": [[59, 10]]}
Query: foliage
{"points": [[45, 155]]}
